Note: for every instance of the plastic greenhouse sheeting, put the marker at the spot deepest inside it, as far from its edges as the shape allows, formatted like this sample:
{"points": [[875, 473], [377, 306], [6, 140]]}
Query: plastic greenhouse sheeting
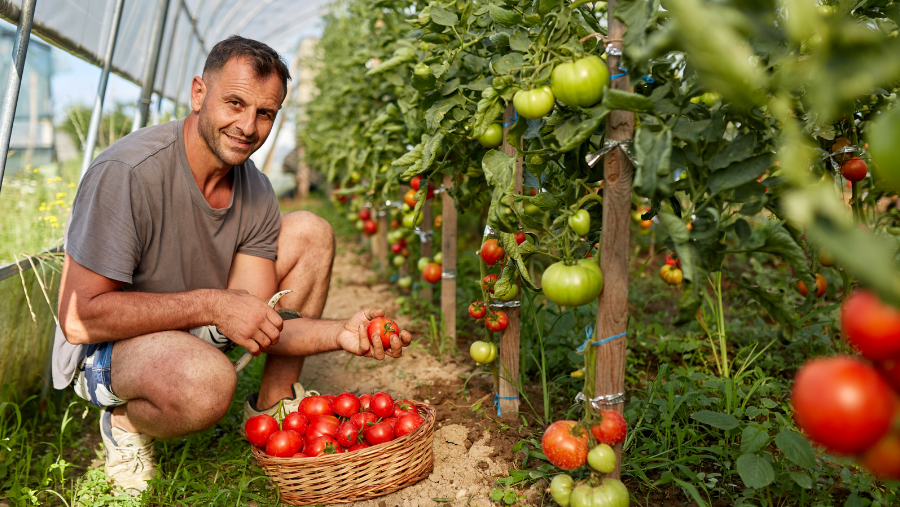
{"points": [[192, 27]]}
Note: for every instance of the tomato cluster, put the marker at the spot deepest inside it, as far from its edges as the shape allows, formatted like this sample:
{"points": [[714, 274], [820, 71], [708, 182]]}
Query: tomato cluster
{"points": [[566, 443], [334, 424], [850, 405]]}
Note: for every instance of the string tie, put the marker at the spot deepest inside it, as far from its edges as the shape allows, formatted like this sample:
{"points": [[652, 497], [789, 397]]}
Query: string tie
{"points": [[589, 331], [497, 399], [515, 118]]}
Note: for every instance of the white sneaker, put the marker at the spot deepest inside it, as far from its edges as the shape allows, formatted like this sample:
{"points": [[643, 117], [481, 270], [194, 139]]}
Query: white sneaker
{"points": [[130, 462], [280, 409]]}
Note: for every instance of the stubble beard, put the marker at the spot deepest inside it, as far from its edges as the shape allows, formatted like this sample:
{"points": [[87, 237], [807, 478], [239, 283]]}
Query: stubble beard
{"points": [[216, 142]]}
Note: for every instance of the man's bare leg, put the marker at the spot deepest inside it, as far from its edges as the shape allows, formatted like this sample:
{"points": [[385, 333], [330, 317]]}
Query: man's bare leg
{"points": [[305, 258], [175, 384]]}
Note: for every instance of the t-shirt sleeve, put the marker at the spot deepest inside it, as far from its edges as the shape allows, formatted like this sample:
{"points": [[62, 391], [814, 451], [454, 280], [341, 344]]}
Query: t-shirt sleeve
{"points": [[102, 233], [261, 237]]}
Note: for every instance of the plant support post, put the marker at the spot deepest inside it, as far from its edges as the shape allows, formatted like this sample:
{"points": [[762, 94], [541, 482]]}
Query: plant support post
{"points": [[612, 316], [448, 246], [426, 246], [149, 75], [14, 81]]}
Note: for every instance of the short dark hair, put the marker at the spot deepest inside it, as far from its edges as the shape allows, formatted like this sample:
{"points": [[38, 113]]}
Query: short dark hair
{"points": [[265, 60]]}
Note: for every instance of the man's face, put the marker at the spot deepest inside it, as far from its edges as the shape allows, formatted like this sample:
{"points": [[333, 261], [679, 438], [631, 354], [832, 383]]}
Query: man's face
{"points": [[238, 110]]}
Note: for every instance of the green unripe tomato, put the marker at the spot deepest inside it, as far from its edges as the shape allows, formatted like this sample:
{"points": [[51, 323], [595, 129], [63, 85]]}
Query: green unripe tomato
{"points": [[599, 6], [580, 222], [580, 83], [610, 493], [581, 496], [481, 352], [561, 489], [534, 104], [422, 69], [574, 285], [406, 208], [408, 220], [508, 295], [532, 210], [398, 260], [492, 137], [360, 225], [825, 10], [885, 149], [439, 257], [602, 458], [825, 258], [424, 261], [353, 217], [404, 282], [355, 176], [494, 352], [394, 236]]}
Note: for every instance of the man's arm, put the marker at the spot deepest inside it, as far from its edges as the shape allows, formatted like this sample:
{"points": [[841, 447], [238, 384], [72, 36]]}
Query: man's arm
{"points": [[92, 309]]}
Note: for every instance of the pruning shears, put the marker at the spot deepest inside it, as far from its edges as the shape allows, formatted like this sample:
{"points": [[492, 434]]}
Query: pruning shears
{"points": [[286, 314]]}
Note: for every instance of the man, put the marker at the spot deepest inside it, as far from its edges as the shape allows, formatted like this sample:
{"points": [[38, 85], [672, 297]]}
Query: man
{"points": [[176, 242]]}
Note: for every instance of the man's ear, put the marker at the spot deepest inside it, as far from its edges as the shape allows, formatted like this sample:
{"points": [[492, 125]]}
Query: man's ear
{"points": [[199, 90]]}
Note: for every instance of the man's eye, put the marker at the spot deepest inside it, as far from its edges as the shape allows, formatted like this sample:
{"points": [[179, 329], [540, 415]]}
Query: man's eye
{"points": [[233, 102]]}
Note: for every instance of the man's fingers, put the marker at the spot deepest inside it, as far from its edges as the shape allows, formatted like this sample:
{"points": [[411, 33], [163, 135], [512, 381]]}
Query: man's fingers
{"points": [[396, 349], [406, 338], [364, 344], [377, 347], [371, 314], [275, 319]]}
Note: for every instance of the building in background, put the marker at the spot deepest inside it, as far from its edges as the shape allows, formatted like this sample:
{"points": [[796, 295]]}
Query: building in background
{"points": [[32, 141]]}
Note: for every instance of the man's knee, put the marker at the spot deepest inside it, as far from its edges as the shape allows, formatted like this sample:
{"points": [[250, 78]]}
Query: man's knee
{"points": [[208, 381], [309, 230]]}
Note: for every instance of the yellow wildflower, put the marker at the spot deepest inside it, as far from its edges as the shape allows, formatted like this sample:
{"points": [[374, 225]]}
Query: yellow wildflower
{"points": [[71, 185], [36, 170]]}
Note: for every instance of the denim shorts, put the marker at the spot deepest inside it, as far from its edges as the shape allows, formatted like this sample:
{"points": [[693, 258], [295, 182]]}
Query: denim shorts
{"points": [[93, 382]]}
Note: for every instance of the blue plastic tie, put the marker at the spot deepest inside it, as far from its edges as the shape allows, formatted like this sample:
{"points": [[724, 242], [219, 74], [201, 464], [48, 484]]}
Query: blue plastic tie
{"points": [[590, 334], [617, 76], [515, 118], [648, 79], [497, 399]]}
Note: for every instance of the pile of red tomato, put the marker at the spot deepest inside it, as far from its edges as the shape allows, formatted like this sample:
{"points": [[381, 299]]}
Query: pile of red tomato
{"points": [[332, 424], [566, 444], [849, 404]]}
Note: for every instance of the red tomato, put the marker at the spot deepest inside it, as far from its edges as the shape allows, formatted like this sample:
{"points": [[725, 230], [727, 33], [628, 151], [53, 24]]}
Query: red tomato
{"points": [[842, 403], [299, 455], [672, 261], [612, 429], [364, 402], [491, 252], [404, 407], [363, 419], [890, 369], [365, 214], [330, 399], [358, 447], [382, 405], [384, 327], [414, 182], [284, 444], [322, 445], [321, 427], [407, 423], [390, 420], [410, 198], [488, 283], [370, 227], [497, 321], [259, 428], [821, 286], [347, 434], [565, 445], [346, 404], [520, 237], [871, 326], [432, 272], [404, 252], [396, 248], [854, 169], [477, 310], [295, 421], [883, 459], [379, 433]]}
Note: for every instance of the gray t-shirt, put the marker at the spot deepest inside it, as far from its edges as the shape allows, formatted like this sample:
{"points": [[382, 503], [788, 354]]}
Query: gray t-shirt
{"points": [[140, 218]]}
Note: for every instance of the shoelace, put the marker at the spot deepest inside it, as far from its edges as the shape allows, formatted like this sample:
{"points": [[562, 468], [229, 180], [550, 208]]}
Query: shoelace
{"points": [[136, 456]]}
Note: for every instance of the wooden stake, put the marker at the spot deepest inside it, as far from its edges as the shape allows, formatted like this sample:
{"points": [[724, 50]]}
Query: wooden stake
{"points": [[612, 316], [379, 242], [448, 246], [509, 343], [427, 221]]}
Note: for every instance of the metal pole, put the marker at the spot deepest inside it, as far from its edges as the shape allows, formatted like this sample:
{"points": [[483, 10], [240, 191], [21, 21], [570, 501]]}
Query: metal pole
{"points": [[159, 26], [14, 81], [97, 113]]}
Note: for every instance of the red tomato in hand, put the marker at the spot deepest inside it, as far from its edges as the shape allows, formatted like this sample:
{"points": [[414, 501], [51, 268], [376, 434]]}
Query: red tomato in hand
{"points": [[347, 434], [322, 445], [284, 444], [364, 402], [314, 406], [384, 327], [432, 272], [871, 326], [488, 283], [382, 405], [259, 428], [612, 429], [364, 419], [491, 252], [497, 321], [379, 433], [565, 445], [346, 404], [295, 421], [407, 423], [477, 310], [854, 169], [842, 403]]}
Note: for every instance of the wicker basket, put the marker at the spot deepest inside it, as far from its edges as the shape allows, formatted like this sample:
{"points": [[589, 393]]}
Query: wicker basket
{"points": [[358, 475]]}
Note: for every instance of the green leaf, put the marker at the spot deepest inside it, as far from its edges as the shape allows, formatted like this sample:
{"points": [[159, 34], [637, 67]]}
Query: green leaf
{"points": [[755, 471], [516, 253], [802, 479], [796, 448], [403, 54], [780, 242], [488, 109], [772, 303], [439, 109], [582, 131], [739, 149], [690, 130], [653, 152], [499, 168], [639, 16], [753, 439], [506, 17], [519, 41], [716, 419], [442, 16], [739, 173], [626, 101]]}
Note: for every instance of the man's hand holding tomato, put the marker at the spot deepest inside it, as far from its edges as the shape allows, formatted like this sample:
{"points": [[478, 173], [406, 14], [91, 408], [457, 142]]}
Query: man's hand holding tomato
{"points": [[354, 338]]}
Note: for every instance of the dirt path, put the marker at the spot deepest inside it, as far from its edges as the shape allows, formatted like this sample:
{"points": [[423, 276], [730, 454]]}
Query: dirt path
{"points": [[470, 454]]}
